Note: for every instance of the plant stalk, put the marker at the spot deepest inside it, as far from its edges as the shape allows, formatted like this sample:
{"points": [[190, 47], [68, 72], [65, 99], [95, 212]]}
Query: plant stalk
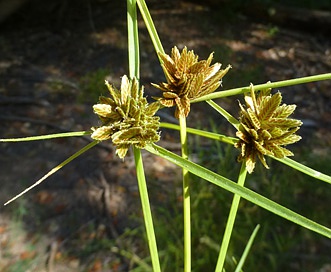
{"points": [[133, 39], [146, 210], [233, 187], [277, 84], [133, 47], [48, 136], [186, 197], [233, 121], [231, 140], [54, 170], [247, 250], [230, 222], [150, 26]]}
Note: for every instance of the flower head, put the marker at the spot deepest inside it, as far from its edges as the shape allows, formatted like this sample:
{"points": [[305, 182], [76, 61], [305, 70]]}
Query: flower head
{"points": [[265, 127], [187, 79], [126, 117]]}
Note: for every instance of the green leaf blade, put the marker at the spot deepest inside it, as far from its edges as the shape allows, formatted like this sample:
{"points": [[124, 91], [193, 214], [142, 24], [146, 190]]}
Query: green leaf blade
{"points": [[241, 191]]}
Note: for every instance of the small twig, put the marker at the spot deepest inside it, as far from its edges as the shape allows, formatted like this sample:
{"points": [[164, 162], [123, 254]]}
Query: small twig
{"points": [[52, 254]]}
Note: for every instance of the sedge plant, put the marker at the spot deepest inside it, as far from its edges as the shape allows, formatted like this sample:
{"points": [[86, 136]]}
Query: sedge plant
{"points": [[264, 128]]}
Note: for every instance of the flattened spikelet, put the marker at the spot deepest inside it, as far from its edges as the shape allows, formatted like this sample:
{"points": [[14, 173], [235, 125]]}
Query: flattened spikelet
{"points": [[187, 79], [264, 128], [126, 117], [268, 108]]}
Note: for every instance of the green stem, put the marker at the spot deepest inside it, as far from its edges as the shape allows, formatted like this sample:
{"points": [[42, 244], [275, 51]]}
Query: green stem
{"points": [[186, 197], [55, 169], [150, 26], [247, 249], [48, 136], [133, 45], [233, 187], [278, 84], [203, 133], [133, 39], [230, 223], [233, 121], [146, 210], [230, 140], [304, 169]]}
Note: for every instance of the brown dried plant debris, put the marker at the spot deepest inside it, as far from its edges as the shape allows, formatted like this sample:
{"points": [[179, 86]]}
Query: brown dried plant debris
{"points": [[265, 128], [187, 79]]}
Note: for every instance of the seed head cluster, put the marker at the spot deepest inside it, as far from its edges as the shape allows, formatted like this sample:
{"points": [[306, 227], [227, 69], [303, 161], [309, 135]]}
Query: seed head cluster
{"points": [[265, 128], [187, 79], [127, 118]]}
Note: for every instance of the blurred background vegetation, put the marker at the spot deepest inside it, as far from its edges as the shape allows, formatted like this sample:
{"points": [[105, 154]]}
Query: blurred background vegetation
{"points": [[54, 58]]}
